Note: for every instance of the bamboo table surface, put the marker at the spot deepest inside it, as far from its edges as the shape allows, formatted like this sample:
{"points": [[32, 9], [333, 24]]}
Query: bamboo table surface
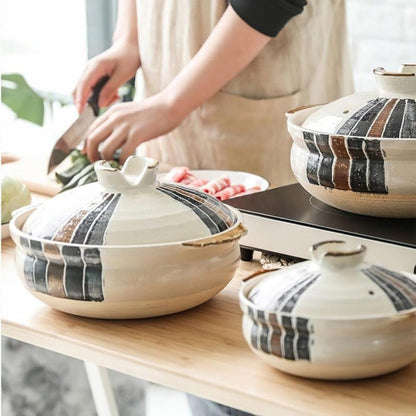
{"points": [[200, 351]]}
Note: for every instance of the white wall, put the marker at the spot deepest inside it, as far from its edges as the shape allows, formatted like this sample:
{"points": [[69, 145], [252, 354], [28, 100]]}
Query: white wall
{"points": [[381, 33]]}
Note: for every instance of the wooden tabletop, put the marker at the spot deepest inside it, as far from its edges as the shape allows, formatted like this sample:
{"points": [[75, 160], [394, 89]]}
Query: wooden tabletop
{"points": [[201, 351]]}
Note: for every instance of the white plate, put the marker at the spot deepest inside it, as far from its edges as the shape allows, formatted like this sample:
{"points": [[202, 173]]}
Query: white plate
{"points": [[5, 231], [237, 178]]}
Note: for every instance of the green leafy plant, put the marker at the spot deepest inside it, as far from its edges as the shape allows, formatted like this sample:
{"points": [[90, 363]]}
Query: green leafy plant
{"points": [[26, 102]]}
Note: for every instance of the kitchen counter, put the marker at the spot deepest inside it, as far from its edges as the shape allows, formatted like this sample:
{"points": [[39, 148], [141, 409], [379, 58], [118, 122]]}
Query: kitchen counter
{"points": [[200, 351]]}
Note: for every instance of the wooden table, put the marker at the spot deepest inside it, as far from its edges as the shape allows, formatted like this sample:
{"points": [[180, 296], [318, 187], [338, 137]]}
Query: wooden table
{"points": [[201, 351]]}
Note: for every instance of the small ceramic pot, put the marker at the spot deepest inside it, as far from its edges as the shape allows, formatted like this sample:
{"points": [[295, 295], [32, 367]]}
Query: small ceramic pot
{"points": [[128, 246], [358, 153], [335, 317]]}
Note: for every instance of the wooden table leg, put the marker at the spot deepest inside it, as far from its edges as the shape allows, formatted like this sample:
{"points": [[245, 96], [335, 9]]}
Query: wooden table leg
{"points": [[101, 390]]}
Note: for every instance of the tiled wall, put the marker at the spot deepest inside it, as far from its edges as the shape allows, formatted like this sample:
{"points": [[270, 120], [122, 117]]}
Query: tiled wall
{"points": [[381, 33]]}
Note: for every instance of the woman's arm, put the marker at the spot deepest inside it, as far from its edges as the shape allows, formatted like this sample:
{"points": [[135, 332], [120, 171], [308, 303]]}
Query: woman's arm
{"points": [[231, 46], [120, 62], [126, 25]]}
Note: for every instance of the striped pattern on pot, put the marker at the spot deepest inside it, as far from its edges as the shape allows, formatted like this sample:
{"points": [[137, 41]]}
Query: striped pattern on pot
{"points": [[347, 163], [284, 336], [400, 289], [383, 117]]}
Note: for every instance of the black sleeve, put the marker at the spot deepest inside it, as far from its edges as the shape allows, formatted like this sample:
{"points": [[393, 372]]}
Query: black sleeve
{"points": [[267, 16]]}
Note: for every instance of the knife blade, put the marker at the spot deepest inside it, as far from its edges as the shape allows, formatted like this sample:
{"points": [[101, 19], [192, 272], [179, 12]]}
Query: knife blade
{"points": [[78, 130]]}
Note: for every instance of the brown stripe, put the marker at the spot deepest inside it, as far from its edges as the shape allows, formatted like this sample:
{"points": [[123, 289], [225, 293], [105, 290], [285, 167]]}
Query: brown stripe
{"points": [[55, 270], [342, 163], [380, 122], [55, 276], [276, 348], [64, 234]]}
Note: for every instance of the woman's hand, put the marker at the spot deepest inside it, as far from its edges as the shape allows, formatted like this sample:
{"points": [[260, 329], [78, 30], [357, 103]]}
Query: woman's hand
{"points": [[126, 125], [120, 63]]}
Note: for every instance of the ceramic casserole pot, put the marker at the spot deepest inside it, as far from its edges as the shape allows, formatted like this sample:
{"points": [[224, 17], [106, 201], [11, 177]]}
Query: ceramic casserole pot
{"points": [[358, 153], [335, 317], [127, 246]]}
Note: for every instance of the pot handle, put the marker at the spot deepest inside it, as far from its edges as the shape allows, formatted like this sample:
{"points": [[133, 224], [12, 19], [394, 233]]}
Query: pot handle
{"points": [[302, 107], [254, 274], [228, 237]]}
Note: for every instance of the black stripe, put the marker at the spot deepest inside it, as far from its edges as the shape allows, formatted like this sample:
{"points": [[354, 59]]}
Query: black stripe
{"points": [[74, 269], [97, 233], [231, 218], [409, 122], [347, 127], [37, 249], [28, 271], [398, 298], [302, 344], [313, 158], [72, 256], [276, 348], [24, 242], [326, 160], [254, 328], [399, 279], [84, 226], [289, 336], [358, 170], [394, 123], [376, 170], [93, 284], [264, 332], [73, 282], [39, 271], [363, 126], [275, 304], [207, 216], [291, 302]]}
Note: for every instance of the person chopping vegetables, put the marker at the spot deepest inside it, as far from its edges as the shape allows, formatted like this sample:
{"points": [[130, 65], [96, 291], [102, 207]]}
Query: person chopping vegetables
{"points": [[215, 80]]}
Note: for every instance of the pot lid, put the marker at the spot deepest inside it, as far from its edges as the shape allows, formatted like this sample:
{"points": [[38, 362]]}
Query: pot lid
{"points": [[129, 207], [389, 112], [336, 284]]}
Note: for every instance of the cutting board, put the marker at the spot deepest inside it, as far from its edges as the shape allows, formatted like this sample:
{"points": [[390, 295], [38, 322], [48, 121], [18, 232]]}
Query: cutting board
{"points": [[32, 172]]}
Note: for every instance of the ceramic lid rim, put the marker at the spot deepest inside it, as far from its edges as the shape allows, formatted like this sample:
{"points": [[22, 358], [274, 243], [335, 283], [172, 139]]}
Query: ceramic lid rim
{"points": [[309, 111], [247, 287], [19, 233]]}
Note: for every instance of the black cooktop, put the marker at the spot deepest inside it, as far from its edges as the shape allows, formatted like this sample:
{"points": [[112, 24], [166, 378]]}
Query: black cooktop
{"points": [[293, 204]]}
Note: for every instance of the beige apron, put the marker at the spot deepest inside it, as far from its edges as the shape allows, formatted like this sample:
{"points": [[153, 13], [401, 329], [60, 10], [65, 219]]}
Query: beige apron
{"points": [[243, 127]]}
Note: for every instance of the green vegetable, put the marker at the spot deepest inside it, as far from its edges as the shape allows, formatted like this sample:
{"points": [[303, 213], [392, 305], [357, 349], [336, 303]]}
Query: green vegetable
{"points": [[13, 195], [74, 181], [76, 154], [89, 178], [80, 163]]}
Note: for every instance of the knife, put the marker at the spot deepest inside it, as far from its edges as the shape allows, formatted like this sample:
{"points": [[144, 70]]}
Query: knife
{"points": [[77, 132]]}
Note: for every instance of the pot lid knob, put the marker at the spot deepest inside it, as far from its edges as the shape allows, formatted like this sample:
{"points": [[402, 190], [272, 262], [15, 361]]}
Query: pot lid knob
{"points": [[401, 84], [336, 255], [137, 171]]}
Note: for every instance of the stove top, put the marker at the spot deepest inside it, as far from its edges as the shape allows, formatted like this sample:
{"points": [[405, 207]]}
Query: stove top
{"points": [[287, 217], [293, 204]]}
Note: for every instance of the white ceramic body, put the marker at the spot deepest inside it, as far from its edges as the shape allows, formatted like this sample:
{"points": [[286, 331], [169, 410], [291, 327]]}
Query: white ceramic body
{"points": [[340, 349], [399, 174], [144, 281]]}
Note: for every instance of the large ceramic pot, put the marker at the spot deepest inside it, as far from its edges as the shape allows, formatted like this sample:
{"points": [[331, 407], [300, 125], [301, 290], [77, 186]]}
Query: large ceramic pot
{"points": [[335, 317], [358, 153], [128, 246]]}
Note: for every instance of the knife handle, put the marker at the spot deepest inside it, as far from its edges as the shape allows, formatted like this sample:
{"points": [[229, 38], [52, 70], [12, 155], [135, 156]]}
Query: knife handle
{"points": [[93, 98]]}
